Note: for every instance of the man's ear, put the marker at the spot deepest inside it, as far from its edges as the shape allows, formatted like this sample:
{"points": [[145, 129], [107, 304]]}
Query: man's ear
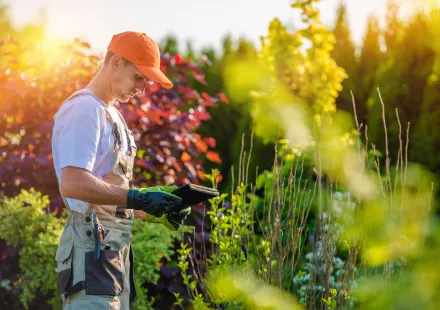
{"points": [[116, 62]]}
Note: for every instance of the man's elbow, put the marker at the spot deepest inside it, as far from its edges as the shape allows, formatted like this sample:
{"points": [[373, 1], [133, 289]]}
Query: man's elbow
{"points": [[70, 181], [66, 189]]}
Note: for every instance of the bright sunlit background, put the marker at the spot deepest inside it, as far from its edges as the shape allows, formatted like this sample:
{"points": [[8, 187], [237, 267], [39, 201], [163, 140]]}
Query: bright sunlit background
{"points": [[326, 157], [204, 22]]}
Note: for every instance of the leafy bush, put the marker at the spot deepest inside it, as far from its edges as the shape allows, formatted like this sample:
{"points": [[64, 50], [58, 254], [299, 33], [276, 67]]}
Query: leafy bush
{"points": [[294, 72], [33, 85], [24, 222], [151, 244]]}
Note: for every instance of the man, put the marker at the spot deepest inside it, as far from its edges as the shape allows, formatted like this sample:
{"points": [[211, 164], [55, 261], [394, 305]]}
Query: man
{"points": [[93, 153]]}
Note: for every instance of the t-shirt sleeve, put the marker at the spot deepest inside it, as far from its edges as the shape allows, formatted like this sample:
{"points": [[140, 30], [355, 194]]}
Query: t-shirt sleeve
{"points": [[77, 133]]}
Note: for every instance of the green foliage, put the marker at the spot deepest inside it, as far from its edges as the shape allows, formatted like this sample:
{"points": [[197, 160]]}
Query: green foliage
{"points": [[330, 301], [197, 299], [296, 66], [294, 72], [339, 160], [344, 55], [362, 224], [170, 45], [377, 244], [243, 290], [409, 67], [29, 32], [24, 218], [38, 267], [24, 222], [394, 28], [179, 300], [426, 141], [230, 228], [151, 243], [183, 264], [369, 62], [411, 286], [312, 273], [229, 122]]}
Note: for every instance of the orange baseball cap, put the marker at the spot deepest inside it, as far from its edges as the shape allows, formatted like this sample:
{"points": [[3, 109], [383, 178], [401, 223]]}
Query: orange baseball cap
{"points": [[143, 52]]}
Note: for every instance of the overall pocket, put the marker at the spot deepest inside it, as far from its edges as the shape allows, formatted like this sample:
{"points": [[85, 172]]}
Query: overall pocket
{"points": [[63, 258], [106, 276]]}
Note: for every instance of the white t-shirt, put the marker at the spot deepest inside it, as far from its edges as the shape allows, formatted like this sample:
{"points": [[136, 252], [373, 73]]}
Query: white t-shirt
{"points": [[82, 137]]}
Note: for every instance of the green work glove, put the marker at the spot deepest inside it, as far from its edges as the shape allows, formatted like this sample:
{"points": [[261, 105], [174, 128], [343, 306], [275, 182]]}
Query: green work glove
{"points": [[155, 201], [172, 220]]}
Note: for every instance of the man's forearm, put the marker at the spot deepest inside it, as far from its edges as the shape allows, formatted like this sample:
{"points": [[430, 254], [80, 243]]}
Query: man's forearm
{"points": [[80, 184]]}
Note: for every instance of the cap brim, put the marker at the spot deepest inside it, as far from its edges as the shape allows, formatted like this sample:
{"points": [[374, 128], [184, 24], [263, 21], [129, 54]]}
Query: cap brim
{"points": [[155, 75]]}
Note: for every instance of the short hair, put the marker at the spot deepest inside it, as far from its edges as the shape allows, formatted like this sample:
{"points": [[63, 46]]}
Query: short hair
{"points": [[108, 56]]}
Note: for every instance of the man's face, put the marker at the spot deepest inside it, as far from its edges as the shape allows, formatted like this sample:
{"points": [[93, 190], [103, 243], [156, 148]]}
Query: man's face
{"points": [[127, 81]]}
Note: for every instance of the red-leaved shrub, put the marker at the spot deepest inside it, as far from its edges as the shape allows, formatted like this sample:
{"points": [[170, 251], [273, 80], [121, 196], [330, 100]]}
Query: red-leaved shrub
{"points": [[34, 81]]}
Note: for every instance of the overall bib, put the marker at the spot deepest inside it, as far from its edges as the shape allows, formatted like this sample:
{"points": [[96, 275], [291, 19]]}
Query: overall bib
{"points": [[94, 257]]}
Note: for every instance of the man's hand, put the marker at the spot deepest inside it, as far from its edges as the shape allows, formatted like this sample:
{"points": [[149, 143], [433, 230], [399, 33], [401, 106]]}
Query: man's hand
{"points": [[172, 220], [155, 201]]}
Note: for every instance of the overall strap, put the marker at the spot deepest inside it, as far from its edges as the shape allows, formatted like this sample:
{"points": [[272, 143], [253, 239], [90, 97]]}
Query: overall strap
{"points": [[132, 148], [116, 133]]}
